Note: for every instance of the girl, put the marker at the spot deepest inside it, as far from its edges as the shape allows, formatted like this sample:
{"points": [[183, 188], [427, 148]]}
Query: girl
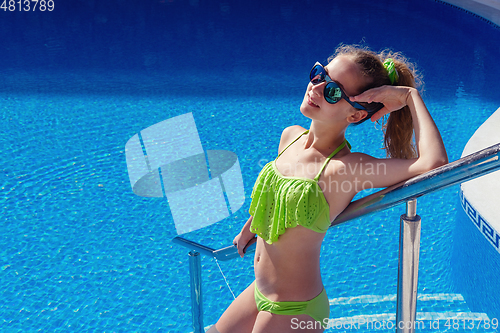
{"points": [[315, 177]]}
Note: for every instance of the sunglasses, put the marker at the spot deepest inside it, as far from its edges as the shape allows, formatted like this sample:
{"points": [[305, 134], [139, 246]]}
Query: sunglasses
{"points": [[332, 93]]}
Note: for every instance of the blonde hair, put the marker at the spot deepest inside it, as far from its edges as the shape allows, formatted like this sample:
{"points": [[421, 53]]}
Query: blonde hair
{"points": [[398, 129]]}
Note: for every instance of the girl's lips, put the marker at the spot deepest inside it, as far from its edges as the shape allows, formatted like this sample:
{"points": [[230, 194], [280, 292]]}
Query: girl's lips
{"points": [[311, 102]]}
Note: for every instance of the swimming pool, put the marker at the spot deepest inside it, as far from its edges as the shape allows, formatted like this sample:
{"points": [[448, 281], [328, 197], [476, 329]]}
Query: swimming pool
{"points": [[81, 252]]}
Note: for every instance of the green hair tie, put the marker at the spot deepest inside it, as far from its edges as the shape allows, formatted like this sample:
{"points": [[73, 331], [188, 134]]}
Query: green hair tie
{"points": [[391, 70]]}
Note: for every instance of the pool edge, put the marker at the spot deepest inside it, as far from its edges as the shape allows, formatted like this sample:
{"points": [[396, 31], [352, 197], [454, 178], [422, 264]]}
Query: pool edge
{"points": [[484, 9]]}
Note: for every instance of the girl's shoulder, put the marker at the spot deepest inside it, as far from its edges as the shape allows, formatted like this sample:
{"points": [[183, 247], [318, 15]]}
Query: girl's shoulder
{"points": [[289, 134]]}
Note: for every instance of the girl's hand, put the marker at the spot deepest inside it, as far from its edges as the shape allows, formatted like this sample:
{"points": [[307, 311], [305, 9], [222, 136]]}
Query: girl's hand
{"points": [[243, 240], [393, 98]]}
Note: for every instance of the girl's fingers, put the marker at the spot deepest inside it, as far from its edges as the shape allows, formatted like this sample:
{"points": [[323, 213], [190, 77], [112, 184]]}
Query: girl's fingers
{"points": [[371, 95], [235, 243], [381, 94], [241, 252], [366, 97], [253, 240], [393, 98]]}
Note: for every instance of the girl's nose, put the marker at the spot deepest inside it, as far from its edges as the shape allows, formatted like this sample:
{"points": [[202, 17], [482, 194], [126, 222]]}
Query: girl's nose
{"points": [[318, 88]]}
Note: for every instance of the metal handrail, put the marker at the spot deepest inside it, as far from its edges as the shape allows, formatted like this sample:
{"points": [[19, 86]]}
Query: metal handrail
{"points": [[467, 168], [464, 169]]}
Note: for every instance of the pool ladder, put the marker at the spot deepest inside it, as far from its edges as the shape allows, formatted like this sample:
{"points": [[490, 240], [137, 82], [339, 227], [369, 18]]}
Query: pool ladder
{"points": [[467, 168]]}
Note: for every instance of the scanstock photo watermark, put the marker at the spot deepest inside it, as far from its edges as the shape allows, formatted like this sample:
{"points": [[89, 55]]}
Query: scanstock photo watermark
{"points": [[346, 179], [449, 324]]}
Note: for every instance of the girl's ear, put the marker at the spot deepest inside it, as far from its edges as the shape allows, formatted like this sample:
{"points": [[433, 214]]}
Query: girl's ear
{"points": [[358, 115]]}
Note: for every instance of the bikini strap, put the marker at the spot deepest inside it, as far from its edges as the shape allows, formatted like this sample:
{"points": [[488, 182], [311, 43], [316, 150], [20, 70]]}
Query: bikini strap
{"points": [[291, 143], [339, 148]]}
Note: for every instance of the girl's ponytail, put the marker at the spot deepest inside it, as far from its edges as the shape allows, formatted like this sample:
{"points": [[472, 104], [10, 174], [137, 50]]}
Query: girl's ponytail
{"points": [[398, 130]]}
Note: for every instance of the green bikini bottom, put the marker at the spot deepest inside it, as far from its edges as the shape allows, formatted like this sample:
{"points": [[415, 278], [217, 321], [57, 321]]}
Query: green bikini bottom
{"points": [[318, 308]]}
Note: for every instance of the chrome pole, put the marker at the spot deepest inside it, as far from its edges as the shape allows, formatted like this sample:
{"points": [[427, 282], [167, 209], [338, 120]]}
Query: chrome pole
{"points": [[196, 297], [409, 250]]}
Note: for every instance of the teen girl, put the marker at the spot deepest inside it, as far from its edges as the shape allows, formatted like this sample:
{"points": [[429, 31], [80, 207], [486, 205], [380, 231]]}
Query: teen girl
{"points": [[297, 195]]}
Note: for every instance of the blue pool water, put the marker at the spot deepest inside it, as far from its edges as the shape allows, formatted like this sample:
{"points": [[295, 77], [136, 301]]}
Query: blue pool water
{"points": [[80, 252]]}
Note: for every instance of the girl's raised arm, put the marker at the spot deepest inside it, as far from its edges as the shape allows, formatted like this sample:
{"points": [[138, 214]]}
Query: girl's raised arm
{"points": [[430, 148]]}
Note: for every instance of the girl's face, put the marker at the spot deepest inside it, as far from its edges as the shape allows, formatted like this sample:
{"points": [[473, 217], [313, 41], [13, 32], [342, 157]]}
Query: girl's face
{"points": [[347, 75]]}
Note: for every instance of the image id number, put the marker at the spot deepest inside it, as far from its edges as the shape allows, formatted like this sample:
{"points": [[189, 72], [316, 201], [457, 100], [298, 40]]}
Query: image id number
{"points": [[472, 324], [27, 5]]}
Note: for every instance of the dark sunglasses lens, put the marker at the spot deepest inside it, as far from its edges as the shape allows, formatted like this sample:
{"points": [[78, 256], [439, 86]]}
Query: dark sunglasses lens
{"points": [[317, 74], [332, 93]]}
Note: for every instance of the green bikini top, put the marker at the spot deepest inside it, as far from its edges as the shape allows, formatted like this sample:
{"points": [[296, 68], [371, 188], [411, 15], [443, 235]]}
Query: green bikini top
{"points": [[280, 202]]}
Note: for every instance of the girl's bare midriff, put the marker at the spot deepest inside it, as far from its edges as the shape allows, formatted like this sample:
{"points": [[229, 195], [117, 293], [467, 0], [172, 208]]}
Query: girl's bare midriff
{"points": [[289, 269]]}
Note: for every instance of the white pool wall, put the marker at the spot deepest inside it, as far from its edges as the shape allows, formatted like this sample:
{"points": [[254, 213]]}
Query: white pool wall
{"points": [[483, 193], [488, 9]]}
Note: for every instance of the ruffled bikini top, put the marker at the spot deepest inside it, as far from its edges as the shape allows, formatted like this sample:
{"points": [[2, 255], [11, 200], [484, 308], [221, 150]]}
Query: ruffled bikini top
{"points": [[280, 202]]}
